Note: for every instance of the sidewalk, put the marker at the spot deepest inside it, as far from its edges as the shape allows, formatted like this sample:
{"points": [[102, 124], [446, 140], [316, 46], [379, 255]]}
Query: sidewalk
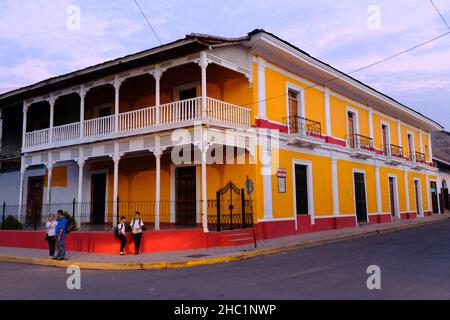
{"points": [[180, 259]]}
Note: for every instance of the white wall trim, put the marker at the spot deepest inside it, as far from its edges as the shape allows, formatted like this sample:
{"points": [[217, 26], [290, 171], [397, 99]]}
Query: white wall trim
{"points": [[396, 197]]}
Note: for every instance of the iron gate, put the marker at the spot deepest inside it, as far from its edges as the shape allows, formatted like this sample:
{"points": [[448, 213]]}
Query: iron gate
{"points": [[233, 209]]}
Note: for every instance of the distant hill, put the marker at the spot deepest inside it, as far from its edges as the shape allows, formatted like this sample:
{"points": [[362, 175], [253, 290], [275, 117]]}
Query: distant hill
{"points": [[441, 145]]}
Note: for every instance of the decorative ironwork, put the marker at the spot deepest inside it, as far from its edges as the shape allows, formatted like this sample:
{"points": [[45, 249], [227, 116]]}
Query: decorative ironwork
{"points": [[419, 157], [232, 209], [396, 151], [358, 141], [301, 125]]}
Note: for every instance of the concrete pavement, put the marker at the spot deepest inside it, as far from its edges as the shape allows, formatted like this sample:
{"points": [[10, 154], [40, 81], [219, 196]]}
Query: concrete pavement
{"points": [[179, 259]]}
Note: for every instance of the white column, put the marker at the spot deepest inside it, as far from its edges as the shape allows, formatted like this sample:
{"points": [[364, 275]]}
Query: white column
{"points": [[327, 112], [82, 94], [116, 160], [427, 187], [157, 74], [378, 188], [51, 101], [24, 123], [203, 65], [117, 84], [405, 176], [371, 123], [335, 186], [21, 186], [204, 191], [81, 163], [49, 185], [262, 89], [399, 133], [158, 154]]}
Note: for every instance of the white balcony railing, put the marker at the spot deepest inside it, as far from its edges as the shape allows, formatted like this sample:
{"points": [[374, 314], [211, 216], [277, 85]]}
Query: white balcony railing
{"points": [[99, 126], [228, 113], [36, 138], [66, 132], [137, 119], [156, 116]]}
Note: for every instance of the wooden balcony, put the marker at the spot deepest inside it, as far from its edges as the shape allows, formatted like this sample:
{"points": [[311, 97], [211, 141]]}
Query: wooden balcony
{"points": [[144, 120], [362, 146], [304, 132]]}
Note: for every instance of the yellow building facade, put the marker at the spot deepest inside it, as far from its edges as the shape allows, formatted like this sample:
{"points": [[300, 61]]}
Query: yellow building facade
{"points": [[340, 152]]}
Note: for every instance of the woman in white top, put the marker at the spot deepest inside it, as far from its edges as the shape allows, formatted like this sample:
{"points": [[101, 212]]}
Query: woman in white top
{"points": [[50, 234]]}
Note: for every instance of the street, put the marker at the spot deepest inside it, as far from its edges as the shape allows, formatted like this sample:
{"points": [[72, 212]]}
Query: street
{"points": [[414, 263]]}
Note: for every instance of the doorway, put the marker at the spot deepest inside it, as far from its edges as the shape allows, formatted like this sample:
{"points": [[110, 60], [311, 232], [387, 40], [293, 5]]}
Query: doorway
{"points": [[98, 198], [392, 197], [360, 196], [434, 197], [385, 139], [185, 195], [351, 129], [35, 200], [301, 189], [417, 195]]}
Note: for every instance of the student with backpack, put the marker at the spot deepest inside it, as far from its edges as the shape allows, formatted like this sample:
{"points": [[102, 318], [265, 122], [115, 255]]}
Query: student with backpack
{"points": [[120, 232], [136, 229]]}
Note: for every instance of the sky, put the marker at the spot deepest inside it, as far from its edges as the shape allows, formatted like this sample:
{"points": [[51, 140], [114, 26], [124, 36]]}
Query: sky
{"points": [[45, 38]]}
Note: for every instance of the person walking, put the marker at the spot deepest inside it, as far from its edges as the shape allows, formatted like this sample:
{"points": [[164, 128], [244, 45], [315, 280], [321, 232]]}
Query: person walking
{"points": [[50, 234], [60, 232], [136, 228], [122, 234]]}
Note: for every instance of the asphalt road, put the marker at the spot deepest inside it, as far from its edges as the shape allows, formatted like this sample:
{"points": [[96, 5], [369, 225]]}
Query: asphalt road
{"points": [[415, 264]]}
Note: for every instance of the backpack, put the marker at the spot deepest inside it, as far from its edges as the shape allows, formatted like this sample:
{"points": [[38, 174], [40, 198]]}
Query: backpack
{"points": [[116, 231]]}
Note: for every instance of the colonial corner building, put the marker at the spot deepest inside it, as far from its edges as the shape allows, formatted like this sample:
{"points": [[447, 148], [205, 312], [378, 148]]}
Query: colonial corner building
{"points": [[99, 143]]}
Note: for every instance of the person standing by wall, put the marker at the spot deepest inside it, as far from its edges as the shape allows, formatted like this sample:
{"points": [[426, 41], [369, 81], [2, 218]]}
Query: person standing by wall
{"points": [[136, 228], [50, 234]]}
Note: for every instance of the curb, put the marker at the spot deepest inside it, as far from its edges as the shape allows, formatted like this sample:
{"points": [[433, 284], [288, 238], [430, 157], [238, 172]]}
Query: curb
{"points": [[213, 260]]}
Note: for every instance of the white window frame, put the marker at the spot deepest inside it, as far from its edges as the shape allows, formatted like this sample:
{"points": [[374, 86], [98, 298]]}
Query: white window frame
{"points": [[421, 214], [388, 136], [310, 186], [300, 100], [397, 204]]}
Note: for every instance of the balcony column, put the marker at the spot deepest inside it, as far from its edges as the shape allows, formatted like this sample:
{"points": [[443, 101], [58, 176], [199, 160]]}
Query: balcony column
{"points": [[327, 112], [378, 188], [262, 89], [81, 163], [21, 186], [157, 153], [117, 84], [335, 185], [157, 74], [51, 101], [405, 177], [203, 63], [82, 93], [49, 185], [116, 159], [24, 123]]}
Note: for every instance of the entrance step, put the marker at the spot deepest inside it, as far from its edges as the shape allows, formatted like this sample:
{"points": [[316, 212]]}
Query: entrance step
{"points": [[236, 237]]}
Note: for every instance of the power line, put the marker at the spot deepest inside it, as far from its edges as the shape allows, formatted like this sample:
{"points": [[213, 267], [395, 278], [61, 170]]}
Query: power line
{"points": [[148, 21], [440, 14]]}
